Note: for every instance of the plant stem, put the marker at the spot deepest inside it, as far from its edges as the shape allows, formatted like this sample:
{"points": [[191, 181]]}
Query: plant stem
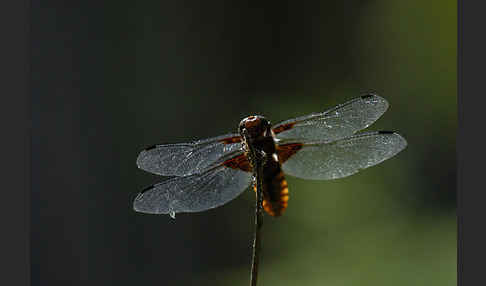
{"points": [[258, 222]]}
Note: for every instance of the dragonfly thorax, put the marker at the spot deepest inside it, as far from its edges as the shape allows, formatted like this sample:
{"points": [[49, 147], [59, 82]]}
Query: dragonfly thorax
{"points": [[258, 138]]}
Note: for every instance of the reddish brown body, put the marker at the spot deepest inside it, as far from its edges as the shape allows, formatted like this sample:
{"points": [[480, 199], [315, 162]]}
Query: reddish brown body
{"points": [[257, 134], [275, 190]]}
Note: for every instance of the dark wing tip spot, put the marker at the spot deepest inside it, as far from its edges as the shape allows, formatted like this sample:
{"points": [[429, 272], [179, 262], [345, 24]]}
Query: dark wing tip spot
{"points": [[386, 132], [369, 95], [145, 190], [150, 147]]}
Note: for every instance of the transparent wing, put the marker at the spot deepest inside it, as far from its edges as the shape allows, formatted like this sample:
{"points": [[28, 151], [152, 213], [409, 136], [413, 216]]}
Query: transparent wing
{"points": [[193, 193], [188, 158], [341, 158], [339, 122]]}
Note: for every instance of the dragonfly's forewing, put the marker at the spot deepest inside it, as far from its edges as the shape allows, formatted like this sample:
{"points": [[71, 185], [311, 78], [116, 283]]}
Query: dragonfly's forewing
{"points": [[188, 158], [339, 122], [194, 193], [340, 158]]}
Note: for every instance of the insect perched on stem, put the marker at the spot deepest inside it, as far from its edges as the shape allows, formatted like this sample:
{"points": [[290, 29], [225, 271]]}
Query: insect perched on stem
{"points": [[320, 146], [212, 172]]}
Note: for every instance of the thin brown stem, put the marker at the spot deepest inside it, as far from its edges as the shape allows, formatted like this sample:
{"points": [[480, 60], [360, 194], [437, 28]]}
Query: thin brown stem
{"points": [[258, 222]]}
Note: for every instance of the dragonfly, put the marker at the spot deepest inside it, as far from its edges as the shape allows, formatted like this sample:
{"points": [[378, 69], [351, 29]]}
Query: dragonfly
{"points": [[209, 173]]}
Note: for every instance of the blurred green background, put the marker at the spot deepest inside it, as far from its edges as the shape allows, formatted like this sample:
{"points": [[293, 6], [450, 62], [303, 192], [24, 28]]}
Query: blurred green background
{"points": [[184, 70]]}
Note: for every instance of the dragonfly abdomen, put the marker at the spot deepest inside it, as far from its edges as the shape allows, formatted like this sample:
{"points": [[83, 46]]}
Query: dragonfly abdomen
{"points": [[275, 189]]}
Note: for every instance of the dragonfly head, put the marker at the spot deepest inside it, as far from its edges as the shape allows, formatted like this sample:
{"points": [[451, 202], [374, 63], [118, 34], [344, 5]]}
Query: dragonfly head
{"points": [[254, 127]]}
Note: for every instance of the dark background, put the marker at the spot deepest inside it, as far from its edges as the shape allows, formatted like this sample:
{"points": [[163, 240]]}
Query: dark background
{"points": [[123, 76]]}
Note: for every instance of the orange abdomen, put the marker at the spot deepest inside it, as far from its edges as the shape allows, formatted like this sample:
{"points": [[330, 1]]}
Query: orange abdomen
{"points": [[275, 192]]}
